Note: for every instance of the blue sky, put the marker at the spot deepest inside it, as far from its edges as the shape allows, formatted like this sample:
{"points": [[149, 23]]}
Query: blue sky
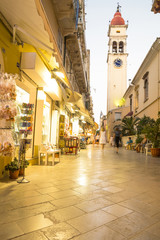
{"points": [[143, 29]]}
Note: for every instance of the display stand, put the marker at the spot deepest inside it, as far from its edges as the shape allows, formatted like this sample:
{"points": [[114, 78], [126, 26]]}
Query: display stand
{"points": [[22, 152], [71, 145], [25, 131]]}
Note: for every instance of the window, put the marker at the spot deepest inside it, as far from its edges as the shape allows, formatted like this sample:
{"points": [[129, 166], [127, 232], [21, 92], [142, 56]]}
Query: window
{"points": [[146, 82], [137, 98], [117, 116], [145, 89], [121, 47], [114, 47], [22, 97], [131, 102]]}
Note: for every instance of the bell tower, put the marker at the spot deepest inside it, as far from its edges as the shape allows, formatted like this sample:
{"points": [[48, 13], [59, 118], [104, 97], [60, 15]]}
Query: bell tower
{"points": [[116, 61]]}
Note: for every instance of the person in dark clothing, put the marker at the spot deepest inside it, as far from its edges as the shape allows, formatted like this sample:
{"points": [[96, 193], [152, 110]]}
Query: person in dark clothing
{"points": [[117, 138]]}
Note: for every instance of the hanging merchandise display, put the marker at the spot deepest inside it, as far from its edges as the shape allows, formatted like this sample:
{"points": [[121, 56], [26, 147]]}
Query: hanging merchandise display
{"points": [[8, 112]]}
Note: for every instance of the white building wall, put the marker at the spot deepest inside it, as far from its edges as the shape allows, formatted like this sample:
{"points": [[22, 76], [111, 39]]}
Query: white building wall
{"points": [[150, 107]]}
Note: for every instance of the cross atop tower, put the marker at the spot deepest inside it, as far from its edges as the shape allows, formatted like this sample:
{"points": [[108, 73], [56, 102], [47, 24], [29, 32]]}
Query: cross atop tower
{"points": [[118, 7]]}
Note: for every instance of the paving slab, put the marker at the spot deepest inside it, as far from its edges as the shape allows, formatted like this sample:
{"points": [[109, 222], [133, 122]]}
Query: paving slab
{"points": [[97, 195]]}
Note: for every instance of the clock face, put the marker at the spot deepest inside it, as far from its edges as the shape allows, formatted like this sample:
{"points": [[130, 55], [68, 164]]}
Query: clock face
{"points": [[118, 62]]}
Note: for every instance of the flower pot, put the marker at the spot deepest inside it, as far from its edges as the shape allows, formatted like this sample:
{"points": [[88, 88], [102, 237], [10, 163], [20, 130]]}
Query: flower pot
{"points": [[14, 175], [155, 152]]}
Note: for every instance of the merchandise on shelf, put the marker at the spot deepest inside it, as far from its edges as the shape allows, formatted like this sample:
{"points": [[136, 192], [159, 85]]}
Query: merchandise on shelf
{"points": [[6, 142], [26, 119], [8, 86], [7, 112], [61, 131]]}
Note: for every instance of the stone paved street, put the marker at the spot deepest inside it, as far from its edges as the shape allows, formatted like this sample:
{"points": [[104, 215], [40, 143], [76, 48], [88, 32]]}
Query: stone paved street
{"points": [[97, 195]]}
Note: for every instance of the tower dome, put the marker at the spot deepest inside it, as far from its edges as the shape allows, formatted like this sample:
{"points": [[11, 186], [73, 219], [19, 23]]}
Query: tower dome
{"points": [[117, 19]]}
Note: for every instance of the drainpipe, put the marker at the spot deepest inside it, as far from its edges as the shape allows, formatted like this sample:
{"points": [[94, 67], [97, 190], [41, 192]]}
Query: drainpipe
{"points": [[64, 56], [158, 82]]}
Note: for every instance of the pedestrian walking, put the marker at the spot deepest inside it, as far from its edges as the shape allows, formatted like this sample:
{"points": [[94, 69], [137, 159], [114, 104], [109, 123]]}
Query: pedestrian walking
{"points": [[97, 138], [102, 139], [117, 138]]}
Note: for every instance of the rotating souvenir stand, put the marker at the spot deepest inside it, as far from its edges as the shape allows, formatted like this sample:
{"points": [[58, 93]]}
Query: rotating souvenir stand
{"points": [[8, 112], [25, 131], [71, 145]]}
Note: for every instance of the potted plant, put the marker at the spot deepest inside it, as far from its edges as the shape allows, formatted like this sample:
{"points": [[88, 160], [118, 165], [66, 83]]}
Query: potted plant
{"points": [[13, 168], [128, 125], [152, 132], [23, 164]]}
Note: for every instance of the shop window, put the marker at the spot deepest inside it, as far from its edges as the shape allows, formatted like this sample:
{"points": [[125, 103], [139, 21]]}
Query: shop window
{"points": [[114, 47], [22, 97], [46, 123], [117, 116], [121, 47]]}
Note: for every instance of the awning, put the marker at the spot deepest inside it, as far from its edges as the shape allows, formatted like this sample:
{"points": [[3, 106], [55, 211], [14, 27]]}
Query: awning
{"points": [[129, 114], [30, 26], [70, 96], [32, 65]]}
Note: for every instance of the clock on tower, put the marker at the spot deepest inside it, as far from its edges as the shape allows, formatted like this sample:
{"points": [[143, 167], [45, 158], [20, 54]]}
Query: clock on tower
{"points": [[118, 62]]}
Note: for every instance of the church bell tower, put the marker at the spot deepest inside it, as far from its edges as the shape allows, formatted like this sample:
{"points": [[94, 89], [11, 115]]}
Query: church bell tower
{"points": [[116, 61]]}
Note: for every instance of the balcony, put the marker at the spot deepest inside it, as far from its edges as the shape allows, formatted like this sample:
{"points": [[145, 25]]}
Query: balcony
{"points": [[156, 6], [66, 12], [76, 56]]}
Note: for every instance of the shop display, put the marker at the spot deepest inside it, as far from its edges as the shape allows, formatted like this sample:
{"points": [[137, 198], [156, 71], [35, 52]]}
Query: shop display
{"points": [[71, 145], [25, 131], [8, 112], [61, 131]]}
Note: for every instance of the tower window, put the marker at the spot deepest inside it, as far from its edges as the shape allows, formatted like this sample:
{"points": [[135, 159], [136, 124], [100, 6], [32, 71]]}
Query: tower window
{"points": [[121, 47], [114, 47]]}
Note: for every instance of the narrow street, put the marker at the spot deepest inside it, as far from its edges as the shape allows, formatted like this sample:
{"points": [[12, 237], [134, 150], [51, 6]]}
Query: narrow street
{"points": [[97, 195]]}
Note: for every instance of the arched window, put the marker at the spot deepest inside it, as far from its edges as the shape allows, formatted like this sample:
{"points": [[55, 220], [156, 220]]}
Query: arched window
{"points": [[137, 98], [145, 89], [121, 47], [114, 47], [131, 102], [146, 83]]}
